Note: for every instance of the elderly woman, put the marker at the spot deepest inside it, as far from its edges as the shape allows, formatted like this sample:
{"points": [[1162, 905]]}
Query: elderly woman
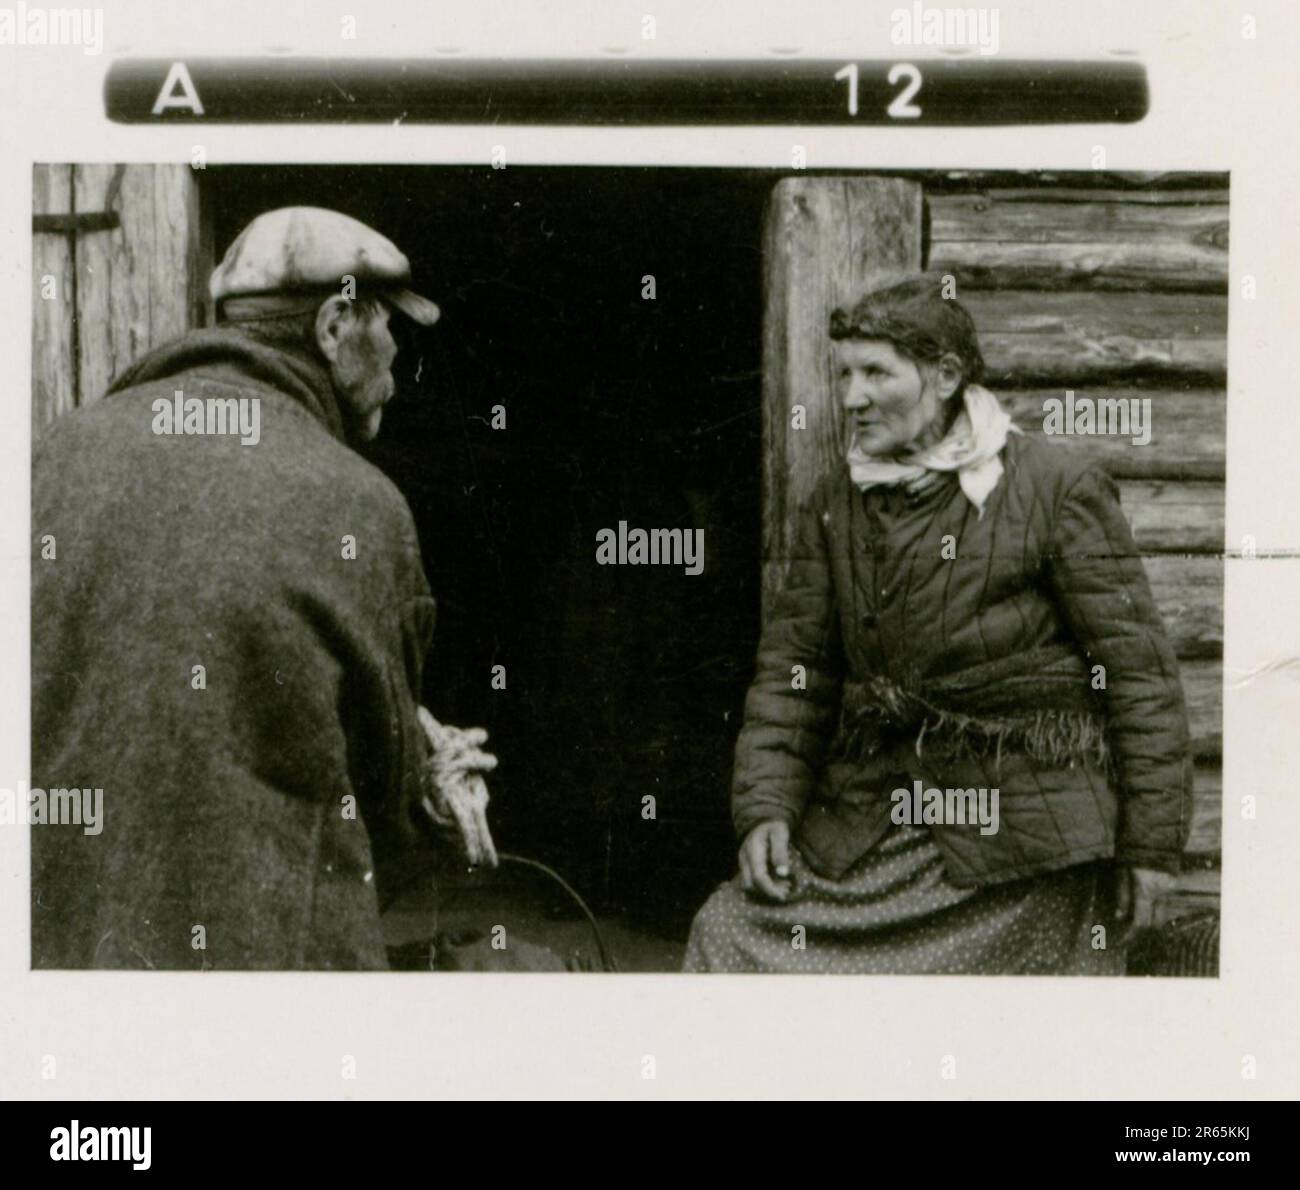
{"points": [[965, 748]]}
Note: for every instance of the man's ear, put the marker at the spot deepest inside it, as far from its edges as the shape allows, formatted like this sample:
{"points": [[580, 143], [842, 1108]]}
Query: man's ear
{"points": [[948, 374], [333, 320]]}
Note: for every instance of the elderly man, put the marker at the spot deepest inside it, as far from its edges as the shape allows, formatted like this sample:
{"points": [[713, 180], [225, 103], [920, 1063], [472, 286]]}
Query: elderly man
{"points": [[229, 620]]}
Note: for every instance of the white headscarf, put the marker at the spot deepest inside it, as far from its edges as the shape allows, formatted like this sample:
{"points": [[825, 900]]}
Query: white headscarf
{"points": [[971, 448]]}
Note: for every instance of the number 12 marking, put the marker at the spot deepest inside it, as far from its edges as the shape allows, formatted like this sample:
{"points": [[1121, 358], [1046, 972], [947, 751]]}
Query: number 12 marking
{"points": [[901, 107]]}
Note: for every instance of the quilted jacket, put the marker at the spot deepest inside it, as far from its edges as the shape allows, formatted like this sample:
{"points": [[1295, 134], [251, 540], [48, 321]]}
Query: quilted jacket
{"points": [[913, 640]]}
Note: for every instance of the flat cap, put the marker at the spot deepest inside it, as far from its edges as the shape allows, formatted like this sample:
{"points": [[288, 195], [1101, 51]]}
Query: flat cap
{"points": [[310, 250]]}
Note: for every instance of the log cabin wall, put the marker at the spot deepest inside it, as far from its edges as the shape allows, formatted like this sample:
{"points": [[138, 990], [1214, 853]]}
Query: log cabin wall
{"points": [[1113, 288]]}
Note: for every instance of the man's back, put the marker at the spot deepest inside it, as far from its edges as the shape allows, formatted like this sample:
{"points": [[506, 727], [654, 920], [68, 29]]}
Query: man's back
{"points": [[228, 642]]}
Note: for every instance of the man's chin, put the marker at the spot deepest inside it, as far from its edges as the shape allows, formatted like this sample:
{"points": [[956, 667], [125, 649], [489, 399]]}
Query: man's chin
{"points": [[364, 428]]}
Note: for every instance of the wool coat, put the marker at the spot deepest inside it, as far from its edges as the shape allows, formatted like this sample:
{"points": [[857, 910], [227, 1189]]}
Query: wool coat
{"points": [[1020, 650], [245, 802]]}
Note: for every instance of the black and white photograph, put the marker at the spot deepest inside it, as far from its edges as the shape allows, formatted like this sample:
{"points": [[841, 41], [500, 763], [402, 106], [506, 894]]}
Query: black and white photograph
{"points": [[647, 554], [628, 570]]}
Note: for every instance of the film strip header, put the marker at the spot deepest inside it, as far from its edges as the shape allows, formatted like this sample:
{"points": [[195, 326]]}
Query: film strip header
{"points": [[942, 92]]}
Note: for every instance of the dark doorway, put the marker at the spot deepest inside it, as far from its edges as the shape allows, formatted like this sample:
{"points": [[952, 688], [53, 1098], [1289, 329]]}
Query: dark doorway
{"points": [[623, 683]]}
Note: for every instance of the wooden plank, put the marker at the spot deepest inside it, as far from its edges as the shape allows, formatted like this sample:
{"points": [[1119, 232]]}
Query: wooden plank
{"points": [[1188, 591], [54, 389], [1094, 337], [1144, 316], [1195, 891], [1173, 516], [202, 245], [1107, 265], [997, 244], [1078, 217], [1054, 193], [827, 240], [1206, 836], [133, 284], [1075, 356], [1203, 688], [1188, 430]]}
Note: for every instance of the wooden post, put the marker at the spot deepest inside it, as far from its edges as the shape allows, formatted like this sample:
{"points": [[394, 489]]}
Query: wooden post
{"points": [[135, 284], [827, 240], [129, 256], [54, 382]]}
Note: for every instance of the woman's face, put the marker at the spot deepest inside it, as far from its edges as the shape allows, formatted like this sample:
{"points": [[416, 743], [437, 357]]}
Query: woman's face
{"points": [[892, 404]]}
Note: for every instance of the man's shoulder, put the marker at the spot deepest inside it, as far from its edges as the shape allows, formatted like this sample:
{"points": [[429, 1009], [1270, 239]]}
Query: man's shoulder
{"points": [[296, 470]]}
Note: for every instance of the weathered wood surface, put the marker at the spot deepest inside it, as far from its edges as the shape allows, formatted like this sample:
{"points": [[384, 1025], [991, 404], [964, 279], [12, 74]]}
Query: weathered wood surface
{"points": [[1188, 430], [827, 240], [1083, 339], [1000, 244], [54, 365], [1206, 837], [1051, 192], [1175, 516], [1196, 891], [1081, 216], [1188, 592], [134, 285], [1203, 688]]}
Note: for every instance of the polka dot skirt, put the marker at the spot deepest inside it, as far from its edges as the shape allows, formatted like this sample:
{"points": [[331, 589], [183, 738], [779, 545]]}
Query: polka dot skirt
{"points": [[895, 912]]}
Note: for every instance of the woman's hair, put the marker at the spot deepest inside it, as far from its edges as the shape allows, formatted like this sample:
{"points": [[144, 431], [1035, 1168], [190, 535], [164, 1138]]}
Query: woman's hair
{"points": [[918, 320]]}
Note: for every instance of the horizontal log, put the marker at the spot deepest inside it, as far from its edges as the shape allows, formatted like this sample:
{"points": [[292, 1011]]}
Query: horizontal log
{"points": [[1188, 592], [1102, 266], [1067, 357], [1203, 688], [1094, 337], [1174, 516], [1188, 430], [1194, 892], [1045, 194], [1155, 316], [1206, 836], [998, 244], [1126, 185], [1078, 217]]}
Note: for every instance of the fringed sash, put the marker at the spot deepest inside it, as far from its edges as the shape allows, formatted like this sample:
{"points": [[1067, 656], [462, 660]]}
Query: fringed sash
{"points": [[1039, 704]]}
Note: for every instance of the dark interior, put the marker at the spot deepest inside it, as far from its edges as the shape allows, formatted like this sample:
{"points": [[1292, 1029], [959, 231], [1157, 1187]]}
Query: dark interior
{"points": [[622, 682]]}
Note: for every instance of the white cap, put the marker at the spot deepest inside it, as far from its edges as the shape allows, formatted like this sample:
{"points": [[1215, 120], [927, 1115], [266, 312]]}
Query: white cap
{"points": [[304, 249]]}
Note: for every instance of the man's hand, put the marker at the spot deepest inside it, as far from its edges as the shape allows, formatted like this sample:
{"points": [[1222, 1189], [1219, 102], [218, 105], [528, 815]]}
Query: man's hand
{"points": [[460, 797], [765, 860], [1136, 895]]}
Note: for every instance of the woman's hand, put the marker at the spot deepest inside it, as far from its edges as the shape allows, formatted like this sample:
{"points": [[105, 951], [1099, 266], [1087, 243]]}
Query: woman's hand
{"points": [[1136, 896], [765, 860]]}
